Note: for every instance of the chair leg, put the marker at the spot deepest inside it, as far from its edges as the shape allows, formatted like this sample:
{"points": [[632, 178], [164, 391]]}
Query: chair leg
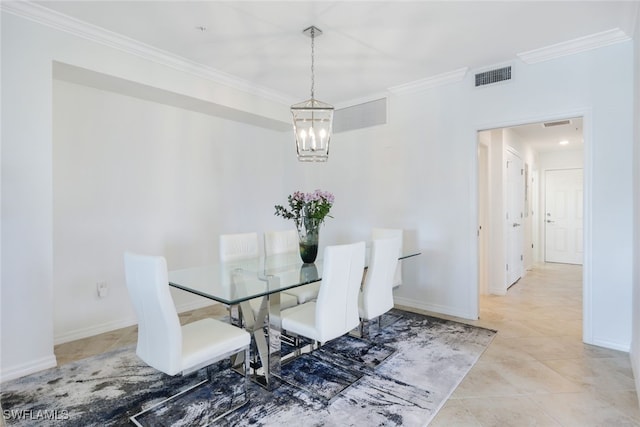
{"points": [[242, 357], [241, 363], [296, 345], [365, 326], [246, 374], [235, 315]]}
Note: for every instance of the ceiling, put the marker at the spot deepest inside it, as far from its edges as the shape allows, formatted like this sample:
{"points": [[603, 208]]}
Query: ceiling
{"points": [[548, 138], [367, 47]]}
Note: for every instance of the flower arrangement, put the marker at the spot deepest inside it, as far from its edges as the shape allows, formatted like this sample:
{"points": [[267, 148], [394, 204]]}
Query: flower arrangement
{"points": [[302, 206], [308, 211]]}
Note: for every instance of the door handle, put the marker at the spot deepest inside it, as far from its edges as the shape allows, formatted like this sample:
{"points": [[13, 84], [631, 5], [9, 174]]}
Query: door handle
{"points": [[549, 221], [515, 224]]}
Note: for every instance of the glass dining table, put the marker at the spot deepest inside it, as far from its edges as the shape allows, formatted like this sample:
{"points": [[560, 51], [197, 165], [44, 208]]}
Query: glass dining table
{"points": [[262, 279]]}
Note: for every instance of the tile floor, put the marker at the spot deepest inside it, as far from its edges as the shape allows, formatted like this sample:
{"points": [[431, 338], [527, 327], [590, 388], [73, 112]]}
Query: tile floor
{"points": [[536, 372]]}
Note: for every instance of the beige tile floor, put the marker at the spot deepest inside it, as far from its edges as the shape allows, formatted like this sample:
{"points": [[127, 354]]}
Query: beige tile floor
{"points": [[536, 372]]}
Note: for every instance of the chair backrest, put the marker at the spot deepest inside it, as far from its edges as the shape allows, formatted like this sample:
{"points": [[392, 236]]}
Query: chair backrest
{"points": [[159, 330], [278, 242], [337, 302], [377, 290], [385, 233], [234, 247]]}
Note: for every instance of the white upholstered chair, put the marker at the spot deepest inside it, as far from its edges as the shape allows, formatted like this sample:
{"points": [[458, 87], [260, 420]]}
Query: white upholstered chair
{"points": [[278, 242], [162, 342], [335, 312], [376, 295], [236, 247], [239, 246], [384, 233]]}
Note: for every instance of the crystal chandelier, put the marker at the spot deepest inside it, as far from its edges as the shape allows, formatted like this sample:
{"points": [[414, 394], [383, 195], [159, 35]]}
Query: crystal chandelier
{"points": [[312, 119]]}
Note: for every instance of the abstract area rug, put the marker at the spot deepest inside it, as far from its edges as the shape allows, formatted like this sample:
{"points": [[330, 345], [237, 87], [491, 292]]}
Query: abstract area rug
{"points": [[404, 378]]}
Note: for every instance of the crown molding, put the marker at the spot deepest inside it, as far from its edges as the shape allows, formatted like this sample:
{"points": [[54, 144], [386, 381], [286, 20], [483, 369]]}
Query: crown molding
{"points": [[581, 44], [430, 82], [61, 22]]}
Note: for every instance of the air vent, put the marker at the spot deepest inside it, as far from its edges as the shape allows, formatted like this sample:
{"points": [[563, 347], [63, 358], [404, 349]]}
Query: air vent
{"points": [[360, 116], [493, 76], [557, 123]]}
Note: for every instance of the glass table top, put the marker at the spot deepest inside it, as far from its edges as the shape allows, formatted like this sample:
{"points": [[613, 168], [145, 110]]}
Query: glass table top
{"points": [[233, 282]]}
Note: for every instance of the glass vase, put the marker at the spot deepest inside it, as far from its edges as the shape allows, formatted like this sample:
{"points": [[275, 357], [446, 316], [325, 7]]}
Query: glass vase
{"points": [[308, 273], [308, 231]]}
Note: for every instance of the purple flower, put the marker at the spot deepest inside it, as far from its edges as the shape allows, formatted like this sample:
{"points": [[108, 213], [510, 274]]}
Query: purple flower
{"points": [[315, 205]]}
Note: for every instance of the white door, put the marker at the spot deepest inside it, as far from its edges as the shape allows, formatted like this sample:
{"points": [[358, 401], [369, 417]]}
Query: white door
{"points": [[563, 216], [514, 218]]}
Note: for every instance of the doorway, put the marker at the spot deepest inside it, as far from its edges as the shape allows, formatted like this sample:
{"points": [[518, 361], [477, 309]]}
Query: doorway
{"points": [[536, 150]]}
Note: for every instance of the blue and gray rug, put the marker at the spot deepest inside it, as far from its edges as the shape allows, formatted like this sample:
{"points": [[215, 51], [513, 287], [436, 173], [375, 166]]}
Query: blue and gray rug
{"points": [[403, 378]]}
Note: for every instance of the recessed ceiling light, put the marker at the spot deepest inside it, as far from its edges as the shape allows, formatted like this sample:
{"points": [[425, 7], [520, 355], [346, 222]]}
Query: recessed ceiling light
{"points": [[563, 142]]}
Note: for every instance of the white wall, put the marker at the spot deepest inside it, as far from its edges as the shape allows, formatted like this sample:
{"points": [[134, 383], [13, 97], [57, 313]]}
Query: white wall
{"points": [[635, 345], [497, 201], [26, 204], [27, 313], [484, 139], [429, 151], [134, 175], [418, 172]]}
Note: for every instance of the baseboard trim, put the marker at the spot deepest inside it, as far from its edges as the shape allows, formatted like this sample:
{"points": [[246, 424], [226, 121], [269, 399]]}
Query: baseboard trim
{"points": [[434, 308], [28, 368], [91, 331], [611, 345], [497, 291]]}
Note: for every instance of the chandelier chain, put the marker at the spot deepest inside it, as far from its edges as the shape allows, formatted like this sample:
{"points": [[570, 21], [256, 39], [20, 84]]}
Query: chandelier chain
{"points": [[313, 33]]}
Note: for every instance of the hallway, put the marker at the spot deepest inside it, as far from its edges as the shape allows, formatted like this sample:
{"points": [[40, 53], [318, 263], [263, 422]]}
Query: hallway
{"points": [[537, 371]]}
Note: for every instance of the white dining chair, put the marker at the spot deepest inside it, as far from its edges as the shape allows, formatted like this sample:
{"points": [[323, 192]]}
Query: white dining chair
{"points": [[335, 311], [238, 246], [383, 233], [162, 342], [241, 246], [376, 295], [279, 242]]}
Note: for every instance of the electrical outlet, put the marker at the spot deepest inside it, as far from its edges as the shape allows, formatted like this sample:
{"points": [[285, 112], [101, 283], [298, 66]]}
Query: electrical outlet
{"points": [[103, 289]]}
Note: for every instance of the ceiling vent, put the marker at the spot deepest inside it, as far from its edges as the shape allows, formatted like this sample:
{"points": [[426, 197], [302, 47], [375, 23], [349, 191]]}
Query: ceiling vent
{"points": [[493, 76], [556, 123]]}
